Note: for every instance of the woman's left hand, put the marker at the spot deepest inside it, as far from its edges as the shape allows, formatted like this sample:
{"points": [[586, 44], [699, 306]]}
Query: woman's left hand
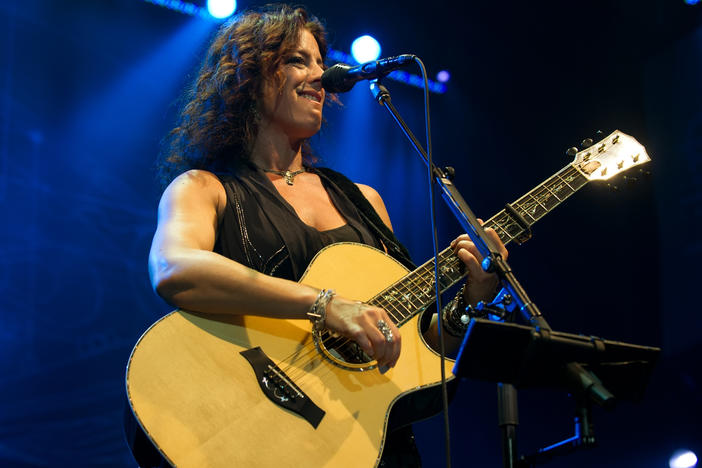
{"points": [[481, 285]]}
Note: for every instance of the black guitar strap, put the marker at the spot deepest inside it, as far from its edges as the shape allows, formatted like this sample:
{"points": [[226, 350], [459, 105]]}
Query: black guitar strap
{"points": [[370, 216]]}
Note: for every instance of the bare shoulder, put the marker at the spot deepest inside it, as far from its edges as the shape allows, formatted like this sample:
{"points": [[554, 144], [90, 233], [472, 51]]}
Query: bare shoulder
{"points": [[196, 187], [189, 213], [196, 180], [376, 201]]}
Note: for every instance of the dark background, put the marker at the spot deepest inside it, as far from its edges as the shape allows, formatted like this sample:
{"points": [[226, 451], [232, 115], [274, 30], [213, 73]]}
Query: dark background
{"points": [[87, 90]]}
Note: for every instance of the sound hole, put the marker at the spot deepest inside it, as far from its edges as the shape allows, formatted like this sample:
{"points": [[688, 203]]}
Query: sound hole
{"points": [[343, 349]]}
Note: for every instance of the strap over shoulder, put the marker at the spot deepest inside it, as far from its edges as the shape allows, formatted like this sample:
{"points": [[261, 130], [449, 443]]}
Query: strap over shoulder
{"points": [[370, 216]]}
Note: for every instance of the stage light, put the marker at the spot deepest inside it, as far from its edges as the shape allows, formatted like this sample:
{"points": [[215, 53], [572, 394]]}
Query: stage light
{"points": [[692, 2], [221, 8], [365, 49], [443, 76], [683, 459]]}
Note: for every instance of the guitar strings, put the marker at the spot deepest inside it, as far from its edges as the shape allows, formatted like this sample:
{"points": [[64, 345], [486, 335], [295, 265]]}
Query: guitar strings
{"points": [[392, 307], [343, 341], [302, 376], [546, 193], [390, 304]]}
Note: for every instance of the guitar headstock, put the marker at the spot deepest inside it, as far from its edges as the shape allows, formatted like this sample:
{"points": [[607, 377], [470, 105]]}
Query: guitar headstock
{"points": [[610, 156]]}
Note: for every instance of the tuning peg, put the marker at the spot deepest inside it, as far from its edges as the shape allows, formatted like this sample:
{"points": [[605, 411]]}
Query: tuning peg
{"points": [[613, 187], [644, 172], [586, 143], [572, 151], [450, 172], [630, 180], [599, 134]]}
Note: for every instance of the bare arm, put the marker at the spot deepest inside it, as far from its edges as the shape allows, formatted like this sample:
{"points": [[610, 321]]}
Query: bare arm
{"points": [[188, 274]]}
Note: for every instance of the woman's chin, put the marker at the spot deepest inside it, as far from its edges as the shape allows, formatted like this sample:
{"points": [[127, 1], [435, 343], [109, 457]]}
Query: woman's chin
{"points": [[308, 131]]}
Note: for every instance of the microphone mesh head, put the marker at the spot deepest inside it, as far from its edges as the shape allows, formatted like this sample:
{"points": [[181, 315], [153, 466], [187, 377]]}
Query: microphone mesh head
{"points": [[335, 79]]}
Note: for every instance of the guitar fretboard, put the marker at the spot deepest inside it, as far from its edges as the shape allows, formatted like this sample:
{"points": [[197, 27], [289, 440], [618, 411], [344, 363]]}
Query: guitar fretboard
{"points": [[539, 201], [414, 292]]}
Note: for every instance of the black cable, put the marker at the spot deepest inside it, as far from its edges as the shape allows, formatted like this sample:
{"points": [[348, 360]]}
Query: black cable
{"points": [[437, 286]]}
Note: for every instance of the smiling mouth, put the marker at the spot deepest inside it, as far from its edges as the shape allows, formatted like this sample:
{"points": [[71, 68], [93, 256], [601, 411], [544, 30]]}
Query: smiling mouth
{"points": [[311, 98], [314, 97]]}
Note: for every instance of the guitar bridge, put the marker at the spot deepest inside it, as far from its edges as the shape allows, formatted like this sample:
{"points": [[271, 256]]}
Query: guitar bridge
{"points": [[280, 389]]}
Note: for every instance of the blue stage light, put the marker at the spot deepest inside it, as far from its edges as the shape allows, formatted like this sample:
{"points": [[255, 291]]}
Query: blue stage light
{"points": [[683, 459], [692, 2], [365, 49], [221, 8]]}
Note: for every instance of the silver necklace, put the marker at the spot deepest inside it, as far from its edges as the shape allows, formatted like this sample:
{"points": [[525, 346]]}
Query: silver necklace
{"points": [[289, 176]]}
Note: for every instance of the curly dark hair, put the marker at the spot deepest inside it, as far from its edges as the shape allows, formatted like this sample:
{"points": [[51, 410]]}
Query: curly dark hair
{"points": [[219, 120]]}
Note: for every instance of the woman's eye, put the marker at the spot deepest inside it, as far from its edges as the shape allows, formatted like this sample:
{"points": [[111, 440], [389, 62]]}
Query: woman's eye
{"points": [[296, 60]]}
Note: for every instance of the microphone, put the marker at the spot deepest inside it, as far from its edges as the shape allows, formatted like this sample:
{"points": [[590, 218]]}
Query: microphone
{"points": [[340, 78]]}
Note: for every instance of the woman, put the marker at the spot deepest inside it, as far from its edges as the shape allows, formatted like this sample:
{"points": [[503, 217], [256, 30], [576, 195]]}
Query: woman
{"points": [[248, 212]]}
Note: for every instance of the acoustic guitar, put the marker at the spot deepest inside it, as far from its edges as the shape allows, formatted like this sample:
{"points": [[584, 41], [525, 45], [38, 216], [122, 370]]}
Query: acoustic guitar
{"points": [[242, 390]]}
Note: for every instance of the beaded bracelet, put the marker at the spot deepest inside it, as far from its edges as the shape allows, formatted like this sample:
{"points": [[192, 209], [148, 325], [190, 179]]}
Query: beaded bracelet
{"points": [[454, 317], [318, 310]]}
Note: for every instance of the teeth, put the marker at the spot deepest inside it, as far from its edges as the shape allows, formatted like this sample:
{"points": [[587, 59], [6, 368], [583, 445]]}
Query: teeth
{"points": [[310, 97]]}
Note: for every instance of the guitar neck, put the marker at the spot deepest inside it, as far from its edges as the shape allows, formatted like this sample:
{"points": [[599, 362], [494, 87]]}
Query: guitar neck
{"points": [[415, 292], [536, 204]]}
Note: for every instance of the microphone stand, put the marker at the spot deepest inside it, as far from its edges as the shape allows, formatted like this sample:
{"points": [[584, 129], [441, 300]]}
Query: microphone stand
{"points": [[494, 263]]}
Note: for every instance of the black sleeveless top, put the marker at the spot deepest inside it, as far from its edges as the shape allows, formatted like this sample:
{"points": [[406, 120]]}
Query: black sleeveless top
{"points": [[261, 230]]}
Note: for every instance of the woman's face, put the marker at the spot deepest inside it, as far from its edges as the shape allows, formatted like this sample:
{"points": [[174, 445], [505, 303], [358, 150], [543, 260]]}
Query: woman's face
{"points": [[296, 108]]}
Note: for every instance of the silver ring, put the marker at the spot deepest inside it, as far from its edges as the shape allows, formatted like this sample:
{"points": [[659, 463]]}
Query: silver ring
{"points": [[385, 330]]}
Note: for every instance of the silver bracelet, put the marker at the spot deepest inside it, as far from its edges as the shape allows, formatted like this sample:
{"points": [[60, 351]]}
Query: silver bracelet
{"points": [[318, 310], [454, 316]]}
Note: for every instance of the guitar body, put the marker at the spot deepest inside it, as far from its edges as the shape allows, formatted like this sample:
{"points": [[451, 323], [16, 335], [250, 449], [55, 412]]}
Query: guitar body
{"points": [[199, 401]]}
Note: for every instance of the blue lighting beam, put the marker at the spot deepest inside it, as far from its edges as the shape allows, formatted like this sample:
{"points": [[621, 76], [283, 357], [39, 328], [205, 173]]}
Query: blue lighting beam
{"points": [[182, 7]]}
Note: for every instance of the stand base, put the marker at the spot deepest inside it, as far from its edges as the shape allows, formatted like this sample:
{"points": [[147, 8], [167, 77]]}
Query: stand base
{"points": [[584, 437]]}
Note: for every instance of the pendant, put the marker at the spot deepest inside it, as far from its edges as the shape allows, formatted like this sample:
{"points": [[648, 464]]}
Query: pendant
{"points": [[289, 176]]}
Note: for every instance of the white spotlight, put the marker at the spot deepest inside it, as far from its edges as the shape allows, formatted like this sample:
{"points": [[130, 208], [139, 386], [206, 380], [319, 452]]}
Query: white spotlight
{"points": [[683, 459], [221, 8], [365, 49]]}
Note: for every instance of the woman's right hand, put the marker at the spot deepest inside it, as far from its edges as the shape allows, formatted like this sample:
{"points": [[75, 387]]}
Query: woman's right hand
{"points": [[359, 321]]}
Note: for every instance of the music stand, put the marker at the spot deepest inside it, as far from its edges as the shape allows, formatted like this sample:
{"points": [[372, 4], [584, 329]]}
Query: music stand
{"points": [[592, 368]]}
